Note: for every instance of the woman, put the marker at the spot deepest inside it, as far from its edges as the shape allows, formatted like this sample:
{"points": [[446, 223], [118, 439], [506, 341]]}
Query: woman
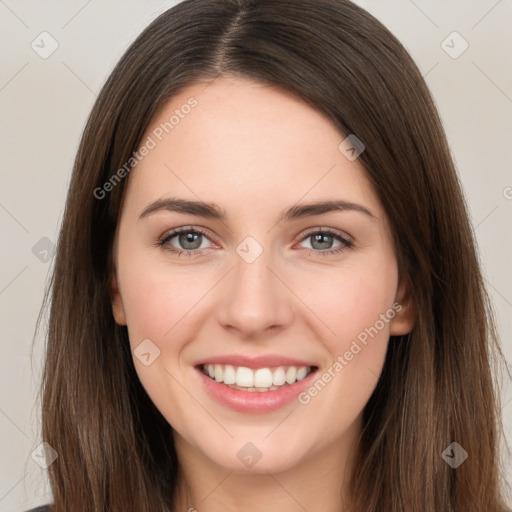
{"points": [[200, 356]]}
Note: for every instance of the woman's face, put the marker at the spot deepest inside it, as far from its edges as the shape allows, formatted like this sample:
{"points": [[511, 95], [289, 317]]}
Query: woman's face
{"points": [[251, 286]]}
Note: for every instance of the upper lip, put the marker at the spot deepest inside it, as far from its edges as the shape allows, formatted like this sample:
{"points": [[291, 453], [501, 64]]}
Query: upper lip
{"points": [[267, 361]]}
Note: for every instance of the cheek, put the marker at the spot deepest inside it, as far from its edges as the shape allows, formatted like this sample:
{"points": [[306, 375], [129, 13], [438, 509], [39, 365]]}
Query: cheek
{"points": [[356, 305], [156, 295], [349, 300], [353, 307], [159, 303]]}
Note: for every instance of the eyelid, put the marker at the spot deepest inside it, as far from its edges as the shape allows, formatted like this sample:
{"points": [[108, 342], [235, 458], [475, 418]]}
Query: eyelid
{"points": [[184, 229], [327, 231], [346, 241]]}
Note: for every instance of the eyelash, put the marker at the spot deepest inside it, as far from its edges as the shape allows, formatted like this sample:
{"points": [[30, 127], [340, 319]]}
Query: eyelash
{"points": [[164, 240]]}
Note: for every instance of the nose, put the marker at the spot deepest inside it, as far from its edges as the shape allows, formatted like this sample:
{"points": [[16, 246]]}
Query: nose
{"points": [[255, 298]]}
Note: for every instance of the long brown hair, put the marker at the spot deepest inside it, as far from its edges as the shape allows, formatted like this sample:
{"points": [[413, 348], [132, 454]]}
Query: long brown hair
{"points": [[115, 449]]}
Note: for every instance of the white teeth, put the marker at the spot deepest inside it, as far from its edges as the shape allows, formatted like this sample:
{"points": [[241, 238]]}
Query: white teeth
{"points": [[291, 375], [229, 375], [244, 376], [278, 377], [301, 373], [261, 380]]}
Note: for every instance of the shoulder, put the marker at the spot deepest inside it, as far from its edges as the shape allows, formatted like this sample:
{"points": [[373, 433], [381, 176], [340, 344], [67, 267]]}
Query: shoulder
{"points": [[41, 508]]}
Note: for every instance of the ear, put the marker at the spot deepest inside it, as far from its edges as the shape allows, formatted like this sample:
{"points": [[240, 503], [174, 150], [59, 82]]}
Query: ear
{"points": [[117, 303], [405, 310]]}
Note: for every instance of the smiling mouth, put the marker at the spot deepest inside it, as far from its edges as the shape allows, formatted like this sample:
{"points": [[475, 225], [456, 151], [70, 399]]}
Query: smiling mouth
{"points": [[256, 380]]}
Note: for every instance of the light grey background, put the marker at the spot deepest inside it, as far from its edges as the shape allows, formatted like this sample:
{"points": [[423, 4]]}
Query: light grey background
{"points": [[44, 104]]}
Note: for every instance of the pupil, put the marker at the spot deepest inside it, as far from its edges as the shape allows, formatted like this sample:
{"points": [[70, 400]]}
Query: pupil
{"points": [[321, 238], [190, 238]]}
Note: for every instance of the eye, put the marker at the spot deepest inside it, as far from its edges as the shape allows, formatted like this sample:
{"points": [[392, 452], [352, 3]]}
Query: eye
{"points": [[322, 242], [189, 241]]}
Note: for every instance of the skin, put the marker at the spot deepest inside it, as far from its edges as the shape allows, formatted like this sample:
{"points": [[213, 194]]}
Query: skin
{"points": [[255, 150]]}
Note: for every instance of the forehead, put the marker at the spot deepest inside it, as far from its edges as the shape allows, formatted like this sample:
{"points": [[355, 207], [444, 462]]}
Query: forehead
{"points": [[238, 142]]}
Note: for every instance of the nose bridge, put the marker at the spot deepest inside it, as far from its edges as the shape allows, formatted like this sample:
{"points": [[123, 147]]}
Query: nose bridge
{"points": [[255, 298]]}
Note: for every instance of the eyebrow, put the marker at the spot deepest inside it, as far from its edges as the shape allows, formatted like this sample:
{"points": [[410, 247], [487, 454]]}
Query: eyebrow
{"points": [[212, 211]]}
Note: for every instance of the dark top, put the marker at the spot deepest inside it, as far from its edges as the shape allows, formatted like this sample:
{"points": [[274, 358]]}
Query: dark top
{"points": [[41, 508]]}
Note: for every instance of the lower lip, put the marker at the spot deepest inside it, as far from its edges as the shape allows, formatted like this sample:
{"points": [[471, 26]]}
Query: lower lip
{"points": [[255, 401]]}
